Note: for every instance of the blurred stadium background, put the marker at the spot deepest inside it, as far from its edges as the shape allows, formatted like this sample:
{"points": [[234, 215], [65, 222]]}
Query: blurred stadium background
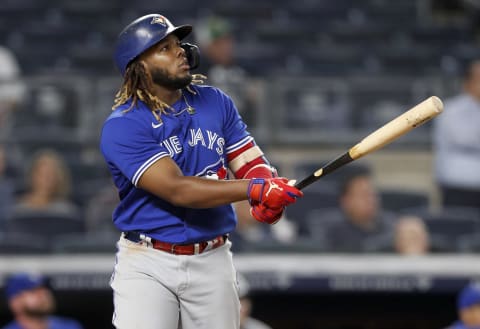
{"points": [[325, 74]]}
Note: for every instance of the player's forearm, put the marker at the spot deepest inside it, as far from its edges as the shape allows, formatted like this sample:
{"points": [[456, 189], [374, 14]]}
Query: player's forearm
{"points": [[197, 192]]}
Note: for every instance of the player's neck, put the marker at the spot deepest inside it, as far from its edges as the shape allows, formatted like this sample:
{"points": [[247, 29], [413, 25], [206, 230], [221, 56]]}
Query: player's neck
{"points": [[167, 95]]}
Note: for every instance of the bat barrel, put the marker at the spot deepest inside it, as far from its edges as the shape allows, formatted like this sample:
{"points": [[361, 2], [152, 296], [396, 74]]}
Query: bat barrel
{"points": [[397, 127]]}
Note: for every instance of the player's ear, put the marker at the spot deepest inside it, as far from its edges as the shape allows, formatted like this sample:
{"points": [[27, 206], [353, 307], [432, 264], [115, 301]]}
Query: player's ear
{"points": [[141, 63], [144, 66]]}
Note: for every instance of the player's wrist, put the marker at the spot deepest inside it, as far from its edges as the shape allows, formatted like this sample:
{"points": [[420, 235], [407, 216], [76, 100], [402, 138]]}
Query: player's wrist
{"points": [[255, 190]]}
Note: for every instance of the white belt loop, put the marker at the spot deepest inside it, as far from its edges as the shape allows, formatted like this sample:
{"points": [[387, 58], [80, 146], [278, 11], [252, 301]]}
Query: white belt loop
{"points": [[196, 248], [146, 240], [210, 244]]}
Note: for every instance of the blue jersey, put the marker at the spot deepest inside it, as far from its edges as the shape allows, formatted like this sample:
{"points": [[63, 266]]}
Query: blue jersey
{"points": [[54, 322], [198, 142]]}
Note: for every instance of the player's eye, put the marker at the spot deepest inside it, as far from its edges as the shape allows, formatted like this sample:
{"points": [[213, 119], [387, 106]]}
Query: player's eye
{"points": [[164, 48]]}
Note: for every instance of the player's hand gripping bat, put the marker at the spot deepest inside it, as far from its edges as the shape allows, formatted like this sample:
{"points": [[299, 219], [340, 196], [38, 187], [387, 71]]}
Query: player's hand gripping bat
{"points": [[399, 126]]}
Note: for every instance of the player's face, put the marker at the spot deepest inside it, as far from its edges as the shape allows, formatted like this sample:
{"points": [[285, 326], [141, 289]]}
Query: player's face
{"points": [[38, 302], [471, 316], [167, 64]]}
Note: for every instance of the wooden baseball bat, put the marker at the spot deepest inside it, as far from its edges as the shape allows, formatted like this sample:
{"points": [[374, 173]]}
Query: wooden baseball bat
{"points": [[399, 126]]}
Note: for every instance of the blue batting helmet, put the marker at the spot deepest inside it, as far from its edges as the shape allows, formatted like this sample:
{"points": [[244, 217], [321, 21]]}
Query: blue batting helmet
{"points": [[142, 34]]}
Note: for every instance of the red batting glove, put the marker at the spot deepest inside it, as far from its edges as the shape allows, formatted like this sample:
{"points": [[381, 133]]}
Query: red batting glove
{"points": [[266, 215], [273, 193]]}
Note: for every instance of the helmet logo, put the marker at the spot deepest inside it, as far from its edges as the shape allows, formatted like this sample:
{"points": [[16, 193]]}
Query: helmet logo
{"points": [[159, 20]]}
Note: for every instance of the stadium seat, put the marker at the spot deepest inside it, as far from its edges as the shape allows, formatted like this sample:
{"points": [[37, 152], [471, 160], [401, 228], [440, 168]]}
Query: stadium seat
{"points": [[450, 225], [45, 223], [316, 223], [314, 199], [22, 244], [86, 243], [397, 200], [469, 243]]}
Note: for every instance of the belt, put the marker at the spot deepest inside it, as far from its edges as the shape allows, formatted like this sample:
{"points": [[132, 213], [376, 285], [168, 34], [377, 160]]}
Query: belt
{"points": [[177, 249]]}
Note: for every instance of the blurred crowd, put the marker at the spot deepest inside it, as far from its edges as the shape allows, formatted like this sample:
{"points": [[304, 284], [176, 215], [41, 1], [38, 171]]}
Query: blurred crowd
{"points": [[60, 199], [43, 195]]}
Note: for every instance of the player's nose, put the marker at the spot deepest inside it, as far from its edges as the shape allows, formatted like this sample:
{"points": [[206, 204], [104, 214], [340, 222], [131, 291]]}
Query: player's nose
{"points": [[181, 52]]}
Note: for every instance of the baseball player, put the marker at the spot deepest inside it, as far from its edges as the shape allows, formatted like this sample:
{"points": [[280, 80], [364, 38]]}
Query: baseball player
{"points": [[168, 145]]}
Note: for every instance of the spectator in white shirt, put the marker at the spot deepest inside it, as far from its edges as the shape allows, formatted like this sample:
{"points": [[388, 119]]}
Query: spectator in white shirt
{"points": [[457, 144], [12, 89]]}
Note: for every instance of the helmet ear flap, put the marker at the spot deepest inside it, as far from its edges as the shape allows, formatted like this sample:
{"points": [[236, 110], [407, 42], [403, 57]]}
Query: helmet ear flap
{"points": [[193, 54]]}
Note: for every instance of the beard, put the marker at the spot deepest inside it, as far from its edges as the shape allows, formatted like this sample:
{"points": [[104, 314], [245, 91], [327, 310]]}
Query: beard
{"points": [[162, 78], [38, 306], [39, 312]]}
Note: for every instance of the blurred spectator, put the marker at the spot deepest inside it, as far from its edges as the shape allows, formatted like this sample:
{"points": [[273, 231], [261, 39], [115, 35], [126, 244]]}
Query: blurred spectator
{"points": [[360, 216], [12, 90], [468, 307], [48, 186], [411, 236], [246, 321], [218, 62], [456, 144], [7, 189], [100, 208], [251, 234], [32, 304]]}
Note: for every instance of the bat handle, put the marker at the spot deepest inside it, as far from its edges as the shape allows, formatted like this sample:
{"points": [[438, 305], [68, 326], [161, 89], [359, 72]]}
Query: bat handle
{"points": [[325, 170], [303, 183]]}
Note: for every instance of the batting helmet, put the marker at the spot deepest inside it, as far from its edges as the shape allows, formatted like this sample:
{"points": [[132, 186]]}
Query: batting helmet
{"points": [[142, 34]]}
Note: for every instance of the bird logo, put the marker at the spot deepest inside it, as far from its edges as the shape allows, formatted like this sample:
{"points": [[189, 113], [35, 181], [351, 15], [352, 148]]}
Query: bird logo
{"points": [[159, 20]]}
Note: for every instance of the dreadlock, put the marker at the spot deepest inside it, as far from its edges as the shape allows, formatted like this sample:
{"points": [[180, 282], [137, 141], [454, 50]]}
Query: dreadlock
{"points": [[137, 85]]}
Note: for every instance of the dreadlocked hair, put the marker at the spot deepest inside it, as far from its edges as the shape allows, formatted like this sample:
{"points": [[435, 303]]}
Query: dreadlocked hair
{"points": [[137, 84]]}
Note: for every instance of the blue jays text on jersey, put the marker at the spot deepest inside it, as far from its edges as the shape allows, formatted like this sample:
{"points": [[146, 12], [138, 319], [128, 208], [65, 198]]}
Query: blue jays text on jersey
{"points": [[198, 142]]}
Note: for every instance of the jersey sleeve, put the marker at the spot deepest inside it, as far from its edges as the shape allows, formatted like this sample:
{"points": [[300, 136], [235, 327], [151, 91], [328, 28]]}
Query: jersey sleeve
{"points": [[130, 147]]}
